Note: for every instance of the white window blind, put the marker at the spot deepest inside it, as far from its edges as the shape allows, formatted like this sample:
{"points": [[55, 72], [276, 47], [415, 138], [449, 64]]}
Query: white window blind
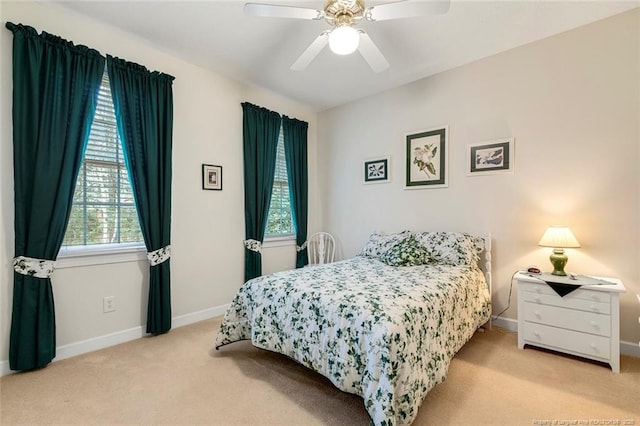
{"points": [[103, 210], [280, 222]]}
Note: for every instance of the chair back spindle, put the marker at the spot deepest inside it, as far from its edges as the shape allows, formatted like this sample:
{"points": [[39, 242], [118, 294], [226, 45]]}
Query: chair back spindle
{"points": [[321, 248]]}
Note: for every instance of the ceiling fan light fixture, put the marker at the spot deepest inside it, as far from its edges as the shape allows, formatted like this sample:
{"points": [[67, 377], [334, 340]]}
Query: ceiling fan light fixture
{"points": [[343, 40]]}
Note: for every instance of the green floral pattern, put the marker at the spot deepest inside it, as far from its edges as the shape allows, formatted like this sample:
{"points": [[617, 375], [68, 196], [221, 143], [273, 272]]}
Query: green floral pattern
{"points": [[378, 244], [408, 252], [39, 268], [451, 248], [385, 333], [157, 257]]}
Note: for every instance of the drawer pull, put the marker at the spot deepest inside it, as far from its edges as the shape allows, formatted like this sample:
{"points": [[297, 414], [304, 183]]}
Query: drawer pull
{"points": [[594, 325], [594, 308], [537, 314], [535, 333], [594, 347], [536, 299]]}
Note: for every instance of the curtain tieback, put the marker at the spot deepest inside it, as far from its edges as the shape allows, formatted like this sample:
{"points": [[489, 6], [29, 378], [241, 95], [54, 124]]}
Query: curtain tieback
{"points": [[302, 247], [253, 245], [39, 268], [156, 257]]}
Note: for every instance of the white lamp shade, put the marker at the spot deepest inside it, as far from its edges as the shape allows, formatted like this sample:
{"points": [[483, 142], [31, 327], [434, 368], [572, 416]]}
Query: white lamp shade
{"points": [[559, 237], [344, 40]]}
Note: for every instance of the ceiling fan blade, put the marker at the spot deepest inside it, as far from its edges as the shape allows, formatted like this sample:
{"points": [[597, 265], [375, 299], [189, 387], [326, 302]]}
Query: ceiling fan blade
{"points": [[371, 53], [312, 51], [276, 11], [406, 9]]}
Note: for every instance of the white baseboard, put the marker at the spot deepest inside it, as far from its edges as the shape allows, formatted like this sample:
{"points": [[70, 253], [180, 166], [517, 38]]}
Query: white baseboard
{"points": [[506, 323], [101, 342], [198, 316], [631, 349]]}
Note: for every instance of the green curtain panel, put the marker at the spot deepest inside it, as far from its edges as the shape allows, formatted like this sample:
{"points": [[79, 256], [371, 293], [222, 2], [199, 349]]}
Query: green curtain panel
{"points": [[144, 109], [260, 130], [55, 88], [295, 151]]}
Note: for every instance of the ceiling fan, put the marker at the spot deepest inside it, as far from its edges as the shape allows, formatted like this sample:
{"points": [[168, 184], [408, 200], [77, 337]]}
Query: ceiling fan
{"points": [[343, 15]]}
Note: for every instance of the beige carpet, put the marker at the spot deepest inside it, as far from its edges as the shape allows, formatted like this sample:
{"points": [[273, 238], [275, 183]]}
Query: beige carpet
{"points": [[178, 379]]}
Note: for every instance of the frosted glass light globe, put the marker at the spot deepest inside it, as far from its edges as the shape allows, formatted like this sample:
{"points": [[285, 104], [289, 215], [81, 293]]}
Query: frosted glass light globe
{"points": [[343, 40]]}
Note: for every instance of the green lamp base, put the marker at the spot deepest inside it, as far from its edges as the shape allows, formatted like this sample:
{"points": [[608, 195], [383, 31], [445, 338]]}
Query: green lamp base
{"points": [[558, 260]]}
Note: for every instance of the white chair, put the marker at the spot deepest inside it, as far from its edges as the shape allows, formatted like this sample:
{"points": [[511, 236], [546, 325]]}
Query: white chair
{"points": [[321, 248]]}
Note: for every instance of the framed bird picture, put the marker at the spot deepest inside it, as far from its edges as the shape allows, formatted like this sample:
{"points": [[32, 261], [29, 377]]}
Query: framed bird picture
{"points": [[490, 157]]}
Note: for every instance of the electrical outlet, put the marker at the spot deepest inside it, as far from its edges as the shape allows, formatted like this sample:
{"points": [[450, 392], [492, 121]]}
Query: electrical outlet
{"points": [[109, 304]]}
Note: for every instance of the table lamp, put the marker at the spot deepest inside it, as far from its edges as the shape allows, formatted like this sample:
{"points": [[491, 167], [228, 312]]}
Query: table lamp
{"points": [[558, 237]]}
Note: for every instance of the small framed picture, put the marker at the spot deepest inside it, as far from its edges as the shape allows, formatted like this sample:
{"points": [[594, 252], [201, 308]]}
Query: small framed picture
{"points": [[212, 177], [491, 157], [426, 162], [377, 170]]}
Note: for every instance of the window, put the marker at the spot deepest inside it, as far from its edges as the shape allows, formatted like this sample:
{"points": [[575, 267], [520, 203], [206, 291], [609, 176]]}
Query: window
{"points": [[103, 210], [280, 222]]}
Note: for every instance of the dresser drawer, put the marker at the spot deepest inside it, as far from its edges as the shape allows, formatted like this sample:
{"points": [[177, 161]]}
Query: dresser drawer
{"points": [[566, 301], [581, 293], [587, 345], [586, 322]]}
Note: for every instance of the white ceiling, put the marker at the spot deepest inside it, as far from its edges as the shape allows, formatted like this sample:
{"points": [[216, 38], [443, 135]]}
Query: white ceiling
{"points": [[259, 51]]}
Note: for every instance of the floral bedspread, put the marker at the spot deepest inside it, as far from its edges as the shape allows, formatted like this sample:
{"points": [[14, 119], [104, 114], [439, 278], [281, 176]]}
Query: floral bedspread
{"points": [[382, 332]]}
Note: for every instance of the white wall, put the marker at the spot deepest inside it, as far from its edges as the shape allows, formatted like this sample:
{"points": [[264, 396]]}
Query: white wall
{"points": [[572, 104], [207, 261]]}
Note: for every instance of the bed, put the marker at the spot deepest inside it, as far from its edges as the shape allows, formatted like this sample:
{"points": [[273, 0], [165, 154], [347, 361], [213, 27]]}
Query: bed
{"points": [[383, 325]]}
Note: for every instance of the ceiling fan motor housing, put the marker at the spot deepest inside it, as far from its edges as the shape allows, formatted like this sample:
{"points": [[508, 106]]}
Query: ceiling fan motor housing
{"points": [[343, 12]]}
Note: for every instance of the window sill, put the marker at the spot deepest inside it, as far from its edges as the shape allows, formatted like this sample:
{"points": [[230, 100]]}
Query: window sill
{"points": [[76, 256], [285, 240]]}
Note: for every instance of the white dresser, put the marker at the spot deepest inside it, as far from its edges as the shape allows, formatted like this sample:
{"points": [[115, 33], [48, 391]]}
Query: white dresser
{"points": [[585, 322]]}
